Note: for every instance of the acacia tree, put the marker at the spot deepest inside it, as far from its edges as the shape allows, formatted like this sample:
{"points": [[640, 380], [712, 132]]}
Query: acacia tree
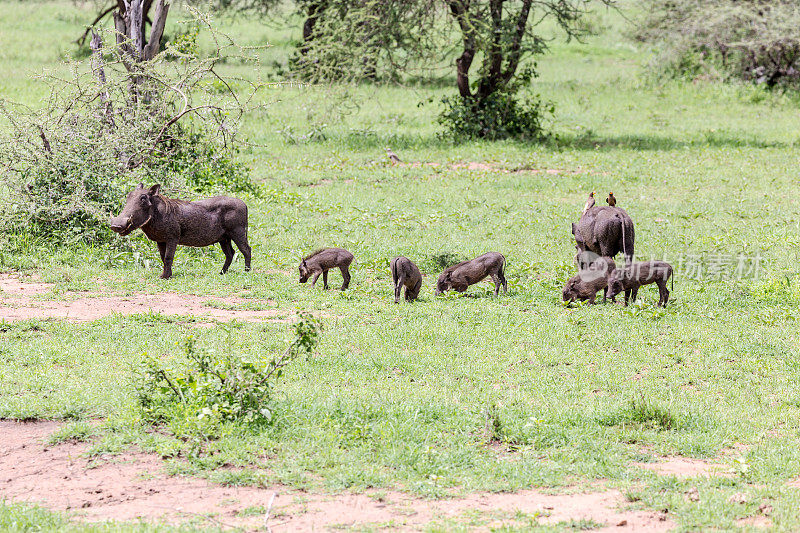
{"points": [[396, 38]]}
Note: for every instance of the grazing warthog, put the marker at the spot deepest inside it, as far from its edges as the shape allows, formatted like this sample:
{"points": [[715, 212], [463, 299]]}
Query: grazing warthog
{"points": [[634, 276], [405, 274], [321, 261], [467, 273], [170, 222], [606, 231], [593, 278]]}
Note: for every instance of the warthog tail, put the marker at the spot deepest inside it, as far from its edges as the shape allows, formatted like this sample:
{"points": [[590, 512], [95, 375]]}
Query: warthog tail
{"points": [[624, 240], [393, 266]]}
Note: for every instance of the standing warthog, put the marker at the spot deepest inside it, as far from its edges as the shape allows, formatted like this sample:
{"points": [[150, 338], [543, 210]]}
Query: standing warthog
{"points": [[405, 274], [634, 276], [321, 261], [467, 273], [593, 278], [170, 222], [606, 231]]}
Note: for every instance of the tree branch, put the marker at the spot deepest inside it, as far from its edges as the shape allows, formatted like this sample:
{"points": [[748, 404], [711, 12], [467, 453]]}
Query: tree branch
{"points": [[96, 45], [156, 30], [515, 50], [82, 39]]}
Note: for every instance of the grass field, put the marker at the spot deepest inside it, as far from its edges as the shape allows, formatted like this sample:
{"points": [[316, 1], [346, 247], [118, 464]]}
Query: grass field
{"points": [[397, 396]]}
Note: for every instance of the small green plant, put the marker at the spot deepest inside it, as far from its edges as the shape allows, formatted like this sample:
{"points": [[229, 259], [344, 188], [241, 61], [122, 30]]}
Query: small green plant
{"points": [[215, 388], [184, 46], [75, 432], [642, 411]]}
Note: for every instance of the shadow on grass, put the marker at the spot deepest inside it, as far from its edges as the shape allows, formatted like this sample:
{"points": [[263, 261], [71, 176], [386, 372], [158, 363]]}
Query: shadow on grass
{"points": [[591, 141]]}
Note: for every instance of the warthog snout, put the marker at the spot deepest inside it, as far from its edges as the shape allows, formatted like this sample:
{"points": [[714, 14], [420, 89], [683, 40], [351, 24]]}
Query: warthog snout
{"points": [[119, 224]]}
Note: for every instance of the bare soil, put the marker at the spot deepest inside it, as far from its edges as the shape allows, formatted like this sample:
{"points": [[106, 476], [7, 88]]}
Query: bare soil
{"points": [[18, 302], [685, 467], [133, 487]]}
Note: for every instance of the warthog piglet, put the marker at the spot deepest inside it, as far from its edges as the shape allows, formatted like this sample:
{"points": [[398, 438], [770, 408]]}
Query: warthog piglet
{"points": [[467, 273], [321, 261], [593, 278], [633, 276], [405, 274]]}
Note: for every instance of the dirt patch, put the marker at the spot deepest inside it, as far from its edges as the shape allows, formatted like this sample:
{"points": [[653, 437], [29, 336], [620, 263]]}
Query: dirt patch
{"points": [[15, 286], [493, 167], [132, 486], [685, 467], [758, 522], [18, 302]]}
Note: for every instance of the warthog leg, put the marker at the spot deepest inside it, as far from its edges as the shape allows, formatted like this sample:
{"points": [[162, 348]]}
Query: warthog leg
{"points": [[227, 249]]}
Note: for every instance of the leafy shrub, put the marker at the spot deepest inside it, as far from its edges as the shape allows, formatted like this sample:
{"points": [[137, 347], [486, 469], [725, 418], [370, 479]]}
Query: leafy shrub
{"points": [[184, 44], [750, 40], [205, 167], [214, 388], [500, 115]]}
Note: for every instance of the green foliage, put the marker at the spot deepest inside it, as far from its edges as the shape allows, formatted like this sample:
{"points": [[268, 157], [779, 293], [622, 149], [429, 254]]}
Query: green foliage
{"points": [[184, 45], [507, 112], [644, 412], [214, 388], [205, 167], [500, 115]]}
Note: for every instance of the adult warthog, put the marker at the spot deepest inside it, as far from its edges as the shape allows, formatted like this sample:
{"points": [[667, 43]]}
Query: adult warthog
{"points": [[604, 230], [170, 222]]}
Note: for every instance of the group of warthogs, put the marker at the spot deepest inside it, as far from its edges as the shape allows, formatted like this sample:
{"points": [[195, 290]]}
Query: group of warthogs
{"points": [[601, 233]]}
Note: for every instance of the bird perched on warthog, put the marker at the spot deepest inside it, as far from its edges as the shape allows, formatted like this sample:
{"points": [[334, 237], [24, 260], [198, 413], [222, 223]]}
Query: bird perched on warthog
{"points": [[589, 202], [405, 274], [320, 261], [466, 273], [170, 222], [604, 230]]}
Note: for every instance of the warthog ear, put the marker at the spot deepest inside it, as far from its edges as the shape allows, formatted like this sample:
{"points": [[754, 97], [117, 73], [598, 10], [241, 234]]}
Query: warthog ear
{"points": [[154, 189]]}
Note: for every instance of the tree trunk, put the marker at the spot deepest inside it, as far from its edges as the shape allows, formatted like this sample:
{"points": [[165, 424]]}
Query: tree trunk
{"points": [[96, 45], [493, 62], [129, 21], [460, 10], [132, 42], [315, 10]]}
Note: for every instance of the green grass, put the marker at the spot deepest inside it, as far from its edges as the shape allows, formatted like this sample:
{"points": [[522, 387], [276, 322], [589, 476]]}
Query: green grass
{"points": [[398, 396]]}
